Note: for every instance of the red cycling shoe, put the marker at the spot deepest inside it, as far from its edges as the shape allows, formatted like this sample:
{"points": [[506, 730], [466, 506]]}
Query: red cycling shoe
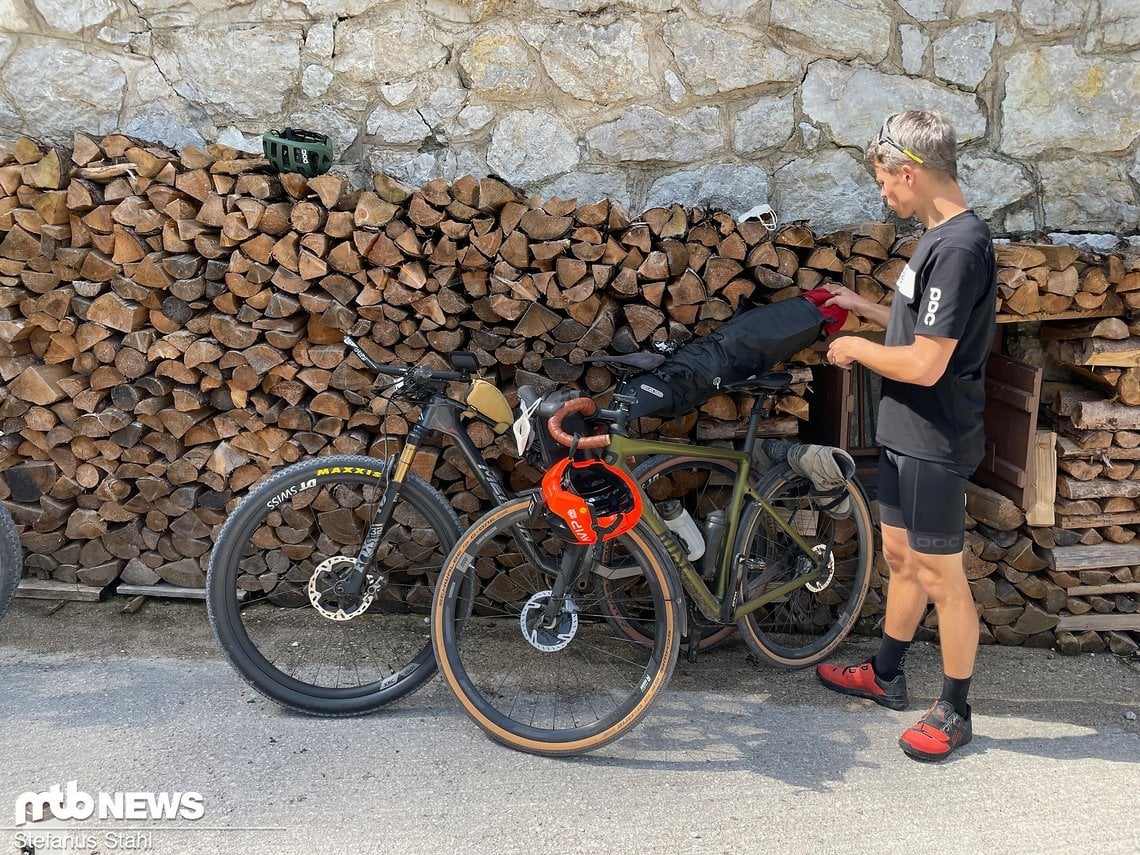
{"points": [[861, 681], [937, 734]]}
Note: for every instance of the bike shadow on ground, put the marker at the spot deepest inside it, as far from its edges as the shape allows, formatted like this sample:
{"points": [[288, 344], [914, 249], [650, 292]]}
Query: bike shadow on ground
{"points": [[703, 733], [727, 711]]}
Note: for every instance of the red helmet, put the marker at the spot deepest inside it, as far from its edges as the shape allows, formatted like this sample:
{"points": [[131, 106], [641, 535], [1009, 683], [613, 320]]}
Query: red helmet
{"points": [[592, 497]]}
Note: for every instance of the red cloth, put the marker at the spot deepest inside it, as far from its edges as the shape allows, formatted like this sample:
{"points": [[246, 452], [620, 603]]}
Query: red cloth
{"points": [[834, 316]]}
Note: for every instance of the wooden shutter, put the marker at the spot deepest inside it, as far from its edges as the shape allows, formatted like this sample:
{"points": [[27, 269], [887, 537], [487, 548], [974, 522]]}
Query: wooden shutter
{"points": [[1013, 392]]}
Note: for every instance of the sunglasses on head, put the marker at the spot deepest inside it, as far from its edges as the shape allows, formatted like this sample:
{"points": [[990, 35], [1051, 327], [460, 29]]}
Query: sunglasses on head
{"points": [[885, 137]]}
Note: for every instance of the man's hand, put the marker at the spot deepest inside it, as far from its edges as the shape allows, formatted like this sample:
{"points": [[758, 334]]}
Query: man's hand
{"points": [[847, 299], [861, 306], [842, 350]]}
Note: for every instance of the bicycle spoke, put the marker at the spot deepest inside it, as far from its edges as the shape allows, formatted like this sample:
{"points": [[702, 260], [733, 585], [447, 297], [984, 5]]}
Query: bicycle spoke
{"points": [[802, 625]]}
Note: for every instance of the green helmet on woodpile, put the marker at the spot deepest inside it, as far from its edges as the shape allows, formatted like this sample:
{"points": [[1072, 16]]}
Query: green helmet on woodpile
{"points": [[295, 150]]}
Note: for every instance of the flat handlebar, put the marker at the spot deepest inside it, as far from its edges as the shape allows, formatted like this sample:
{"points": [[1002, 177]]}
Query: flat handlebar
{"points": [[416, 372]]}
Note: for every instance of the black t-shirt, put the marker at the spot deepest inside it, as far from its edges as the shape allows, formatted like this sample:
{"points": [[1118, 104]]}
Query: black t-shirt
{"points": [[947, 289]]}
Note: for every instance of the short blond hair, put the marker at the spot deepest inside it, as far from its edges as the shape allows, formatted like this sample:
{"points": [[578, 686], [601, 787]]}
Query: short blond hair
{"points": [[917, 137]]}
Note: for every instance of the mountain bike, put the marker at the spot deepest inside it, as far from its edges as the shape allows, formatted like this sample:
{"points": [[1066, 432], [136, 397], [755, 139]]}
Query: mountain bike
{"points": [[11, 559], [593, 632], [319, 584], [320, 581]]}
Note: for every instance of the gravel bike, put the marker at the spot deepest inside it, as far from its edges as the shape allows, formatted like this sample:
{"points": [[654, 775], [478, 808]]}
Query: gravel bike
{"points": [[593, 632]]}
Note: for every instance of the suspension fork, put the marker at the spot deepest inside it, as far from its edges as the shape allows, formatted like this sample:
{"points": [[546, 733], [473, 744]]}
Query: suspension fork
{"points": [[396, 474]]}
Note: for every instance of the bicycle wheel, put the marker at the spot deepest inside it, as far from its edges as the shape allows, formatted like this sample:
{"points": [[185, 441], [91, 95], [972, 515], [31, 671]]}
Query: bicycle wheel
{"points": [[802, 627], [570, 689], [269, 586], [11, 559], [701, 486]]}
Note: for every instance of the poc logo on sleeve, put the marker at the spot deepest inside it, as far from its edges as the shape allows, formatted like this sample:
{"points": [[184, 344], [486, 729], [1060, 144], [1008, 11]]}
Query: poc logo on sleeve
{"points": [[934, 298]]}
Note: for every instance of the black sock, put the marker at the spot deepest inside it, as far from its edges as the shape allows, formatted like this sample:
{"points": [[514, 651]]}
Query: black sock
{"points": [[889, 661], [954, 692]]}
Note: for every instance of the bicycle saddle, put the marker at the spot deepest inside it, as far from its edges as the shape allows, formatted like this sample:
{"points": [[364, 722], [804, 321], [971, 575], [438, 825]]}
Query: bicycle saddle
{"points": [[773, 382]]}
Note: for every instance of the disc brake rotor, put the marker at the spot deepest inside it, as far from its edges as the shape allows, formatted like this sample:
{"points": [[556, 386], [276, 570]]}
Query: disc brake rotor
{"points": [[829, 571], [324, 598], [548, 639]]}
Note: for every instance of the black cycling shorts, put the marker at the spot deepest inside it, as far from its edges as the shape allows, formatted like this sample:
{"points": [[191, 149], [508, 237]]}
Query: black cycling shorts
{"points": [[927, 499]]}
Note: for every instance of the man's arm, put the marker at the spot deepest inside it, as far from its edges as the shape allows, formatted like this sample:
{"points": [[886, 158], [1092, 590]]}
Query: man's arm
{"points": [[921, 363]]}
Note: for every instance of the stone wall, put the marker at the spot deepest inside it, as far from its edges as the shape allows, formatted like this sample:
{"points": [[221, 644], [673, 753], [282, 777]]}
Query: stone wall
{"points": [[705, 102]]}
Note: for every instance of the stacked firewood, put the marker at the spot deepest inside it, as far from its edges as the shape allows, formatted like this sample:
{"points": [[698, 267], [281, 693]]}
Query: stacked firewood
{"points": [[1105, 355], [1092, 549], [171, 327], [1046, 280], [1098, 444], [1017, 602]]}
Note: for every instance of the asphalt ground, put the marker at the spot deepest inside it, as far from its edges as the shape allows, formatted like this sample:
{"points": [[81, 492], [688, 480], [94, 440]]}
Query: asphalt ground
{"points": [[734, 757]]}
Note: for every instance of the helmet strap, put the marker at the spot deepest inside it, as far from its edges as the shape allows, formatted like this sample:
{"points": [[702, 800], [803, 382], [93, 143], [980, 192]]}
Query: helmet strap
{"points": [[602, 532]]}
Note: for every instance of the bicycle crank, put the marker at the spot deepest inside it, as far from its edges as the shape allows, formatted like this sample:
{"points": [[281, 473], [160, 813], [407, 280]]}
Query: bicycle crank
{"points": [[332, 604], [829, 571], [540, 636]]}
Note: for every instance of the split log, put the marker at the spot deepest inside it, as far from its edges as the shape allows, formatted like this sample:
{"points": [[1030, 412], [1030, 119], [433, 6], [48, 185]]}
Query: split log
{"points": [[1106, 415]]}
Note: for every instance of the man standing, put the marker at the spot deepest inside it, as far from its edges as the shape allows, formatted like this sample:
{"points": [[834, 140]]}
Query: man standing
{"points": [[940, 329]]}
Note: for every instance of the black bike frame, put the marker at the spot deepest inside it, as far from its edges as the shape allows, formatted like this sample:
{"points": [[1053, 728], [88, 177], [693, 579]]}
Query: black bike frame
{"points": [[439, 415]]}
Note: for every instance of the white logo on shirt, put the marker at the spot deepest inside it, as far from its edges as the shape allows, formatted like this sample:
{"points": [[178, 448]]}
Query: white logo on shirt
{"points": [[905, 283], [932, 306]]}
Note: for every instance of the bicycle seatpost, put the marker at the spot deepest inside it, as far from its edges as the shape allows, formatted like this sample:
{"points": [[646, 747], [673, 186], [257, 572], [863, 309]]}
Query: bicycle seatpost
{"points": [[760, 411]]}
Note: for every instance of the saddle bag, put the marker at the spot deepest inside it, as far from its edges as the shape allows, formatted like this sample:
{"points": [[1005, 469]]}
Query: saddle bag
{"points": [[747, 345]]}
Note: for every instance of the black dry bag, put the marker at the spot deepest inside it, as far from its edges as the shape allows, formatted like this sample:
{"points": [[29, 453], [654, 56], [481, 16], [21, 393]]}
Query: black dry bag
{"points": [[746, 345]]}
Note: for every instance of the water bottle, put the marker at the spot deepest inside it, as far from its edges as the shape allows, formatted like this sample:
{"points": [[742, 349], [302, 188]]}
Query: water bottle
{"points": [[683, 528], [716, 524]]}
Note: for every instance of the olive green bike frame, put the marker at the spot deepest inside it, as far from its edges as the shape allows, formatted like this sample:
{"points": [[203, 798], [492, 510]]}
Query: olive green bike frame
{"points": [[718, 604]]}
